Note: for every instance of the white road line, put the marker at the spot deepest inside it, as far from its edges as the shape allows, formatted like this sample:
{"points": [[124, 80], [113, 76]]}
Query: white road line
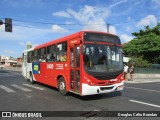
{"points": [[6, 88], [143, 89], [32, 86], [6, 75], [149, 104], [20, 87]]}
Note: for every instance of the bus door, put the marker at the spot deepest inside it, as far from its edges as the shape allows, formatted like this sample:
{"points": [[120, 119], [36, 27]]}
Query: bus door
{"points": [[75, 68]]}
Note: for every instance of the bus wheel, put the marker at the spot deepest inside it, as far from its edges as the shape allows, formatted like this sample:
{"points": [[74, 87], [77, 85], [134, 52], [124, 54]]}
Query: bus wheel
{"points": [[62, 86], [31, 79]]}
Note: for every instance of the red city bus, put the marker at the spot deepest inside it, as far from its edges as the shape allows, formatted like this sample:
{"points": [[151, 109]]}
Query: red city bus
{"points": [[84, 63]]}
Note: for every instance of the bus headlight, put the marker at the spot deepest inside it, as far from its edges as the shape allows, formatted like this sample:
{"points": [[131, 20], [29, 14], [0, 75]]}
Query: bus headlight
{"points": [[88, 81], [121, 78]]}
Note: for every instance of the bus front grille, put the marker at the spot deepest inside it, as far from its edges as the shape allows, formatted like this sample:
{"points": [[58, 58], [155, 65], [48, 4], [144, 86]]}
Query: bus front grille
{"points": [[106, 88]]}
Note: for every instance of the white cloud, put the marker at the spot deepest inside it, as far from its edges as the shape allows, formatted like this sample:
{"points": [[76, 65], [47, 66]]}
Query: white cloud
{"points": [[117, 3], [150, 20], [112, 30], [61, 14], [69, 22], [129, 19], [21, 43], [22, 33], [19, 37], [24, 44], [126, 38], [58, 29], [157, 2], [10, 51], [14, 36], [91, 18]]}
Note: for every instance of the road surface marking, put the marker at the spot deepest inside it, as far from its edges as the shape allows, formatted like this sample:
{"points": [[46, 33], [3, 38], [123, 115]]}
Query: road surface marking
{"points": [[6, 88], [149, 104], [20, 87], [32, 86], [6, 75], [143, 89]]}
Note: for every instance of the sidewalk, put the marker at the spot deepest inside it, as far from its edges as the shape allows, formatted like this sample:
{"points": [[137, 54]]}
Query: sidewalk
{"points": [[140, 75], [12, 68], [138, 78], [143, 80]]}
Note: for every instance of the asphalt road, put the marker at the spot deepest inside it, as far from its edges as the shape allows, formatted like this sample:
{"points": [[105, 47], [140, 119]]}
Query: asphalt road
{"points": [[17, 94]]}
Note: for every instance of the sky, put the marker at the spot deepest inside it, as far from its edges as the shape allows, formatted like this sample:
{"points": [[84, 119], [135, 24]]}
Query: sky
{"points": [[39, 21]]}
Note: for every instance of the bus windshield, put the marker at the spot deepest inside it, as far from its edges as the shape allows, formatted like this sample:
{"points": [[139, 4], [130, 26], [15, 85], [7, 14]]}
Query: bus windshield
{"points": [[102, 58]]}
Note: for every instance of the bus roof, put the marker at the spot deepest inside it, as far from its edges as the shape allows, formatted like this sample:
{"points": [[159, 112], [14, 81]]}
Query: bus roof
{"points": [[30, 49], [69, 37]]}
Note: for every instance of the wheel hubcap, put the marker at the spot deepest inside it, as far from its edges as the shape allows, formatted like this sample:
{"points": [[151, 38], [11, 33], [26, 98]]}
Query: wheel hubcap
{"points": [[62, 86]]}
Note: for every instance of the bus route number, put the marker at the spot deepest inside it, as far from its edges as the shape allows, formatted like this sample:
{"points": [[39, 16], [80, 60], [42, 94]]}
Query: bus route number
{"points": [[49, 66]]}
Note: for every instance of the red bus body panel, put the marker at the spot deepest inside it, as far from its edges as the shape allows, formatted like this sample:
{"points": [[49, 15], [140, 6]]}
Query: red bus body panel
{"points": [[51, 71]]}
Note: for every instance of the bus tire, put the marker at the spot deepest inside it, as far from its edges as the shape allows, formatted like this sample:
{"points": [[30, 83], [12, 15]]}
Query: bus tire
{"points": [[62, 86], [31, 78]]}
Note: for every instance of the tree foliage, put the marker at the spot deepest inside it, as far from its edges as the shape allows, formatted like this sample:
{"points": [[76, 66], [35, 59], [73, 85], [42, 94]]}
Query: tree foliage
{"points": [[139, 62], [146, 44]]}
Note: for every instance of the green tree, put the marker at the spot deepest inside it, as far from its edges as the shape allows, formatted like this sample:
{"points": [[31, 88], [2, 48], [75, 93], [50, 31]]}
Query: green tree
{"points": [[146, 44]]}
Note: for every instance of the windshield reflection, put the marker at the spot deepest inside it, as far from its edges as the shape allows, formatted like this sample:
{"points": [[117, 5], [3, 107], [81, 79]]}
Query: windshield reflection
{"points": [[102, 58]]}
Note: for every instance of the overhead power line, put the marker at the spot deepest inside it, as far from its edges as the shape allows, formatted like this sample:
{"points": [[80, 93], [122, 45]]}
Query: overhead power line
{"points": [[37, 22], [70, 24]]}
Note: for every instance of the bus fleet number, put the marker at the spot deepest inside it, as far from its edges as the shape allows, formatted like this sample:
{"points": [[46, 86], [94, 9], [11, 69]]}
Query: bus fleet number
{"points": [[49, 66]]}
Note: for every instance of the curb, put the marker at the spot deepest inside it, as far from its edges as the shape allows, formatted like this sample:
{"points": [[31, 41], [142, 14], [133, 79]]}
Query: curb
{"points": [[12, 69], [139, 76], [144, 80]]}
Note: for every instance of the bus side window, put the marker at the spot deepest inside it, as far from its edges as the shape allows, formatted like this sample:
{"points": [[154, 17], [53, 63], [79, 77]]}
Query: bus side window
{"points": [[35, 57], [62, 52], [51, 53], [30, 57], [42, 56]]}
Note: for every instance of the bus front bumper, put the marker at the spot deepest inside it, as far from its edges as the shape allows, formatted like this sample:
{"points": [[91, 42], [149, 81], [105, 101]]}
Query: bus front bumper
{"points": [[91, 90]]}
